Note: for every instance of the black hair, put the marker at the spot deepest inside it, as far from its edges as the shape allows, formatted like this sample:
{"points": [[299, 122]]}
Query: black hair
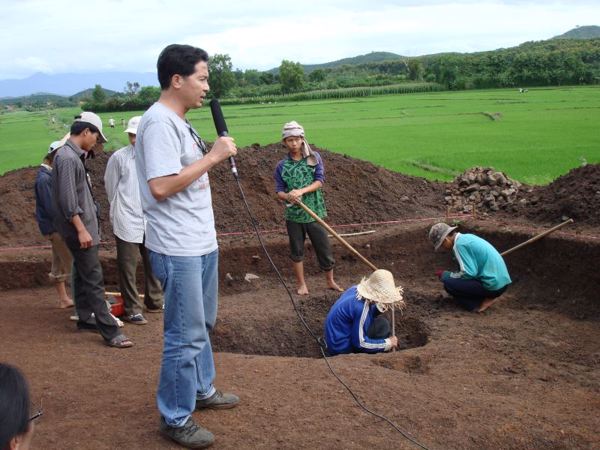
{"points": [[49, 157], [78, 127], [176, 59], [14, 404]]}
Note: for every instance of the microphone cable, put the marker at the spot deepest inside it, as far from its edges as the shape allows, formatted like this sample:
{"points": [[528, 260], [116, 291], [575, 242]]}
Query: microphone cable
{"points": [[322, 345]]}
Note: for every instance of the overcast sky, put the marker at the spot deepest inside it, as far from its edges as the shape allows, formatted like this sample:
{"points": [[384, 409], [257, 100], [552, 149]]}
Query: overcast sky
{"points": [[60, 36]]}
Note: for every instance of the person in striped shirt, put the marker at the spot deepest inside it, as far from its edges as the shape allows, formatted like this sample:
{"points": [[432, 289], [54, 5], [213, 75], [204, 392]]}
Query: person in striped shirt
{"points": [[127, 220]]}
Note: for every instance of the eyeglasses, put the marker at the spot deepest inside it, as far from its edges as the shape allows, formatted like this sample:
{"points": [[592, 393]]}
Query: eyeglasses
{"points": [[198, 140], [38, 414]]}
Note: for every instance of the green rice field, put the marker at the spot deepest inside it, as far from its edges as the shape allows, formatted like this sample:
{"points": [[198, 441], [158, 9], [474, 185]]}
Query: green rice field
{"points": [[533, 136]]}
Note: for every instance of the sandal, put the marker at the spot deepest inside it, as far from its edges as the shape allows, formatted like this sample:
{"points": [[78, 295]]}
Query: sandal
{"points": [[120, 341]]}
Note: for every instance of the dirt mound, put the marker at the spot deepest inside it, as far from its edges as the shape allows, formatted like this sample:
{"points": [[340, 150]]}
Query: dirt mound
{"points": [[575, 195], [355, 191]]}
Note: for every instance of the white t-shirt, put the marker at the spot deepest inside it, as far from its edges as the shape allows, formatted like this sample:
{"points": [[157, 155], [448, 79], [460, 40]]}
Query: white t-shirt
{"points": [[182, 224]]}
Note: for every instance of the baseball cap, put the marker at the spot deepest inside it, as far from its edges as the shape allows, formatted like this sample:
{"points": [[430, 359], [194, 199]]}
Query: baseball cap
{"points": [[132, 125], [55, 146], [93, 119], [58, 144]]}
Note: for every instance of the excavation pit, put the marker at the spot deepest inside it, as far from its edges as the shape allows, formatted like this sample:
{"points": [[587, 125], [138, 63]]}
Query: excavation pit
{"points": [[279, 332], [264, 324]]}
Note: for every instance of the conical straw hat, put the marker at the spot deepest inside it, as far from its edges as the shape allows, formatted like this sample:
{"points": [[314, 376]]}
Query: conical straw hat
{"points": [[379, 287]]}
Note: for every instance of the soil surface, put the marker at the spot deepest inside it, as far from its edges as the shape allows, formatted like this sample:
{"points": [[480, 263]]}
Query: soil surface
{"points": [[523, 375]]}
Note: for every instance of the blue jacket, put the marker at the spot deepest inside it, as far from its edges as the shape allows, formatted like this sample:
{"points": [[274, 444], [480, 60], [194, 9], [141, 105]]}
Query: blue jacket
{"points": [[347, 324], [479, 260], [43, 201]]}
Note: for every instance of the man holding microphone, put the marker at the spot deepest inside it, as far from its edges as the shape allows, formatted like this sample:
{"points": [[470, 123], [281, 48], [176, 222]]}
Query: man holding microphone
{"points": [[173, 167]]}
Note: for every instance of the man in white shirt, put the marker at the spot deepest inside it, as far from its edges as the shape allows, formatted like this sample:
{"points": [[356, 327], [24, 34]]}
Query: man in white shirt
{"points": [[127, 219]]}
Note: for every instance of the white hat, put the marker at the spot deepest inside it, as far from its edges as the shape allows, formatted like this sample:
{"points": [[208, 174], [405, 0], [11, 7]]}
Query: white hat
{"points": [[93, 119], [132, 125], [55, 146], [58, 144], [379, 287]]}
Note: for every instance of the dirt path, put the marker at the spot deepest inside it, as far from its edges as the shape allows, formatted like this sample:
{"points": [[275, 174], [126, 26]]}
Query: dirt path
{"points": [[508, 379]]}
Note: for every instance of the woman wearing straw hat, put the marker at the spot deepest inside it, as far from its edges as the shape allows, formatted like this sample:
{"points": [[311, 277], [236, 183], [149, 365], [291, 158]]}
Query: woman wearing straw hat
{"points": [[355, 323], [483, 276]]}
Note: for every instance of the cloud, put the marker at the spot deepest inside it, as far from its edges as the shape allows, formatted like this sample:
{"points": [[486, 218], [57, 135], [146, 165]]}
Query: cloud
{"points": [[127, 35]]}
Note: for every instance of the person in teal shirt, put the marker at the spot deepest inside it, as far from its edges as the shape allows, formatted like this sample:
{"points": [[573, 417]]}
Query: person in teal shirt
{"points": [[482, 275]]}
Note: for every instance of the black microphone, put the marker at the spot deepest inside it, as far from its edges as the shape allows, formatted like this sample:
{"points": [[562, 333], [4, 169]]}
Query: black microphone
{"points": [[221, 126]]}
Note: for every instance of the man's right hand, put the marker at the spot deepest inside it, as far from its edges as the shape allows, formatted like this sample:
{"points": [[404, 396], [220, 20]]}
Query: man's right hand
{"points": [[85, 238], [223, 148], [394, 341]]}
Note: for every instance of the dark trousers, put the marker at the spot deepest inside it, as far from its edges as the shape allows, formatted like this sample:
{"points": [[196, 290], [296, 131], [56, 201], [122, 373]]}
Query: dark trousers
{"points": [[380, 328], [318, 236], [469, 293], [127, 262], [88, 292]]}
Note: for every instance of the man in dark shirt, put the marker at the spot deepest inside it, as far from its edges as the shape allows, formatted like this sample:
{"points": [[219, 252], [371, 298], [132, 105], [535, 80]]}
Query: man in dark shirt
{"points": [[77, 222], [61, 257]]}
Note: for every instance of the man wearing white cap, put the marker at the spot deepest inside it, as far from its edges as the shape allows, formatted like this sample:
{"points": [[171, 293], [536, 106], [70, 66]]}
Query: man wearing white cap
{"points": [[76, 219], [44, 214], [355, 322], [127, 220], [482, 276]]}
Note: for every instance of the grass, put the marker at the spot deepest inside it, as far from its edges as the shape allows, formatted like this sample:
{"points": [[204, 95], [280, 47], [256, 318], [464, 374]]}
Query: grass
{"points": [[534, 137]]}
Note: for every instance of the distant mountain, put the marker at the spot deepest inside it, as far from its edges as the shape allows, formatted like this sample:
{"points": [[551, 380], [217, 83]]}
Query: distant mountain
{"points": [[356, 60], [40, 99], [361, 59], [87, 93], [585, 32], [43, 99], [67, 84]]}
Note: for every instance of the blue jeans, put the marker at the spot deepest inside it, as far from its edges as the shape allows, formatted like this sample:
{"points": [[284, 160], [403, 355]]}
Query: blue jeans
{"points": [[190, 286]]}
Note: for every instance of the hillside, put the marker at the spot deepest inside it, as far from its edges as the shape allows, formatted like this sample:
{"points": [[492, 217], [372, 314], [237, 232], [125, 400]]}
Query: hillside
{"points": [[44, 100], [41, 99], [373, 57], [585, 32], [87, 93]]}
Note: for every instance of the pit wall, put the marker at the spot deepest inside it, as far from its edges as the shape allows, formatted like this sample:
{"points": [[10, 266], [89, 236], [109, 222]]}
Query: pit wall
{"points": [[557, 273]]}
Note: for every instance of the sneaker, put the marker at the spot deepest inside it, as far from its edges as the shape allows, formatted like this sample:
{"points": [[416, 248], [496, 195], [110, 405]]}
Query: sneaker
{"points": [[190, 435], [219, 400], [136, 319]]}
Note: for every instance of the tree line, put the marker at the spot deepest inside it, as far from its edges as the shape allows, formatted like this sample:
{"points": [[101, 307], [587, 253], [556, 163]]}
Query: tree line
{"points": [[546, 63]]}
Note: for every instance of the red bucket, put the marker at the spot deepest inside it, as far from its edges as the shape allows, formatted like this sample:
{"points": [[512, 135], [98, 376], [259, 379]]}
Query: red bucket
{"points": [[117, 307]]}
